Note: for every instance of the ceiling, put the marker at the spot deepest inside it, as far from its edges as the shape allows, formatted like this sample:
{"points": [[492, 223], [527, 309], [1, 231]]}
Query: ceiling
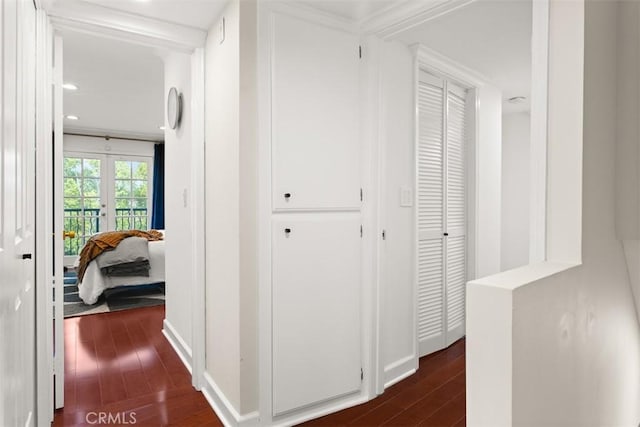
{"points": [[199, 14], [120, 87], [492, 37]]}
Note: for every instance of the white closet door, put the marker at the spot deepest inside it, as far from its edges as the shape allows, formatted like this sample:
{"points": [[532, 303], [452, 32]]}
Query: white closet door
{"points": [[314, 116], [430, 184], [441, 257], [316, 308], [456, 213]]}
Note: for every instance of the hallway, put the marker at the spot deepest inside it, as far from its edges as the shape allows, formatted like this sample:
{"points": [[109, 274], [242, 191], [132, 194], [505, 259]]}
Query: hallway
{"points": [[120, 364]]}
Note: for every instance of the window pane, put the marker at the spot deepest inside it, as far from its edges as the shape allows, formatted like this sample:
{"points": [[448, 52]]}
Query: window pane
{"points": [[139, 189], [72, 166], [92, 203], [140, 203], [123, 203], [72, 187], [91, 168], [123, 188], [91, 187], [123, 169], [71, 203], [140, 170]]}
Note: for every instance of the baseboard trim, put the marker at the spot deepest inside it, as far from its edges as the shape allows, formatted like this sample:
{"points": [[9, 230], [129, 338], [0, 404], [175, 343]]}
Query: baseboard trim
{"points": [[399, 370], [178, 344], [223, 408]]}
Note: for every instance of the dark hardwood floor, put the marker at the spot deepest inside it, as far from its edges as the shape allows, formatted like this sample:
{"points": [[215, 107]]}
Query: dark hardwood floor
{"points": [[434, 396], [120, 363]]}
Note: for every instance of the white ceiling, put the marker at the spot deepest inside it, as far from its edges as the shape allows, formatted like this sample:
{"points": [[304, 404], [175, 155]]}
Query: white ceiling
{"points": [[192, 13], [120, 86], [493, 37]]}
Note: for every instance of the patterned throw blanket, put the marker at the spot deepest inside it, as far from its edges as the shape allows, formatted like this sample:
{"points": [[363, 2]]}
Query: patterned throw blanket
{"points": [[108, 241]]}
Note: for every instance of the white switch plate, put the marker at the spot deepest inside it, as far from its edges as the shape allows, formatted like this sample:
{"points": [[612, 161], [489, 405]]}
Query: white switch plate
{"points": [[406, 197]]}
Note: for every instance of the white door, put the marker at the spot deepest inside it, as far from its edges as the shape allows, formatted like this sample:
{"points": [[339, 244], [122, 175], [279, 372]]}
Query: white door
{"points": [[17, 194], [441, 213], [316, 308], [316, 234]]}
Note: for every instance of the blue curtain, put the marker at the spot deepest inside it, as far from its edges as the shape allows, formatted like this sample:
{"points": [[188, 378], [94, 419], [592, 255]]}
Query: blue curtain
{"points": [[157, 210]]}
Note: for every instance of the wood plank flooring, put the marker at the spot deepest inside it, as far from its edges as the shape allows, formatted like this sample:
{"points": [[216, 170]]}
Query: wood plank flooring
{"points": [[120, 363], [434, 396]]}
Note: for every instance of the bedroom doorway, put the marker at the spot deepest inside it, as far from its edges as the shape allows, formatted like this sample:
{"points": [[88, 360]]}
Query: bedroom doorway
{"points": [[104, 174]]}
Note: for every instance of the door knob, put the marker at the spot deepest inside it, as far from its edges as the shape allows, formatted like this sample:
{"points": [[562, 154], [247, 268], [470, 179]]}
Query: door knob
{"points": [[26, 256], [287, 196], [287, 231], [69, 234], [445, 234]]}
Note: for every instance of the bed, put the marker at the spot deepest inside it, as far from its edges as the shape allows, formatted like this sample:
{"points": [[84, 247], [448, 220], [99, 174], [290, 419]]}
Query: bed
{"points": [[94, 282]]}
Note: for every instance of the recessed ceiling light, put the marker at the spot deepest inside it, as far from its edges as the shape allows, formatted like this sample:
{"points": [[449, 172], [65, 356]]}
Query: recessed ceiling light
{"points": [[517, 99], [72, 117], [161, 127], [70, 86]]}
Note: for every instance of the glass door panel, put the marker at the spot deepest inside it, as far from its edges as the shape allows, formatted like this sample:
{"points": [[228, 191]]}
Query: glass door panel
{"points": [[83, 201], [132, 193]]}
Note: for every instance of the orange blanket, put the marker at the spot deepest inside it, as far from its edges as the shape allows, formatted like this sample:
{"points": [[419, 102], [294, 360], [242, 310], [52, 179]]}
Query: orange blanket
{"points": [[108, 241]]}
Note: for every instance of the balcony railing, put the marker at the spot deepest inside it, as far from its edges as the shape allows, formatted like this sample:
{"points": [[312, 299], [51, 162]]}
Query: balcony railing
{"points": [[86, 222]]}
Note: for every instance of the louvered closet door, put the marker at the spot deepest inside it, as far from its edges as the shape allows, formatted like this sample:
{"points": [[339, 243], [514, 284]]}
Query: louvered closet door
{"points": [[430, 214], [455, 242], [441, 213]]}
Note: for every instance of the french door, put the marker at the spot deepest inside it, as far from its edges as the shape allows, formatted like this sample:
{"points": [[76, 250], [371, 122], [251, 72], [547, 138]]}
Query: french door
{"points": [[103, 192], [441, 212]]}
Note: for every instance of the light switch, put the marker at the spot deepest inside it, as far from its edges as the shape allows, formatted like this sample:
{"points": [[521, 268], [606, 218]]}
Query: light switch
{"points": [[406, 197]]}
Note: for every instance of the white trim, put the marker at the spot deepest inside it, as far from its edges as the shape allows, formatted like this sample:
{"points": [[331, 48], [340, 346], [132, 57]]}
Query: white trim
{"points": [[399, 18], [539, 132], [44, 203], [58, 226], [399, 370], [178, 344], [115, 147], [439, 64], [104, 133], [93, 19], [223, 408], [265, 382], [198, 216]]}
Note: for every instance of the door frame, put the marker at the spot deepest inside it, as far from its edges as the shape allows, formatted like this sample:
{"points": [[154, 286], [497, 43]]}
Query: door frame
{"points": [[91, 19]]}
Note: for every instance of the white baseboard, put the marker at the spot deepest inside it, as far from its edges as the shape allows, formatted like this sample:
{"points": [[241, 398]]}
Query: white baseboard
{"points": [[178, 344], [223, 408], [399, 370]]}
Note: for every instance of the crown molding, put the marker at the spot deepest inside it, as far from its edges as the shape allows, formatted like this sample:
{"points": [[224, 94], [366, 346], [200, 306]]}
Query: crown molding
{"points": [[398, 18], [86, 17], [440, 64]]}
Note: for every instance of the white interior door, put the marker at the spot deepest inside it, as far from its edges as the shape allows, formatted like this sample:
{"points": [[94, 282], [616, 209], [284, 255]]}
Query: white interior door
{"points": [[315, 117], [441, 216], [316, 309], [17, 193]]}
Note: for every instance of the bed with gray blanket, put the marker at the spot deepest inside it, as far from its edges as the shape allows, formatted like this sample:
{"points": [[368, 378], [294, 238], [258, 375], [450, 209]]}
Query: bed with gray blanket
{"points": [[135, 261]]}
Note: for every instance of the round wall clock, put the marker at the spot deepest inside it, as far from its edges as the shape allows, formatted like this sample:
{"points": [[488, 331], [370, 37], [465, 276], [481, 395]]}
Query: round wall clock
{"points": [[174, 108]]}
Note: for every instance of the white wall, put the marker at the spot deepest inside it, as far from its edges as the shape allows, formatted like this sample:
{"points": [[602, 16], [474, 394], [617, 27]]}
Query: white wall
{"points": [[178, 207], [515, 190], [398, 342], [628, 140], [575, 353], [231, 197]]}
